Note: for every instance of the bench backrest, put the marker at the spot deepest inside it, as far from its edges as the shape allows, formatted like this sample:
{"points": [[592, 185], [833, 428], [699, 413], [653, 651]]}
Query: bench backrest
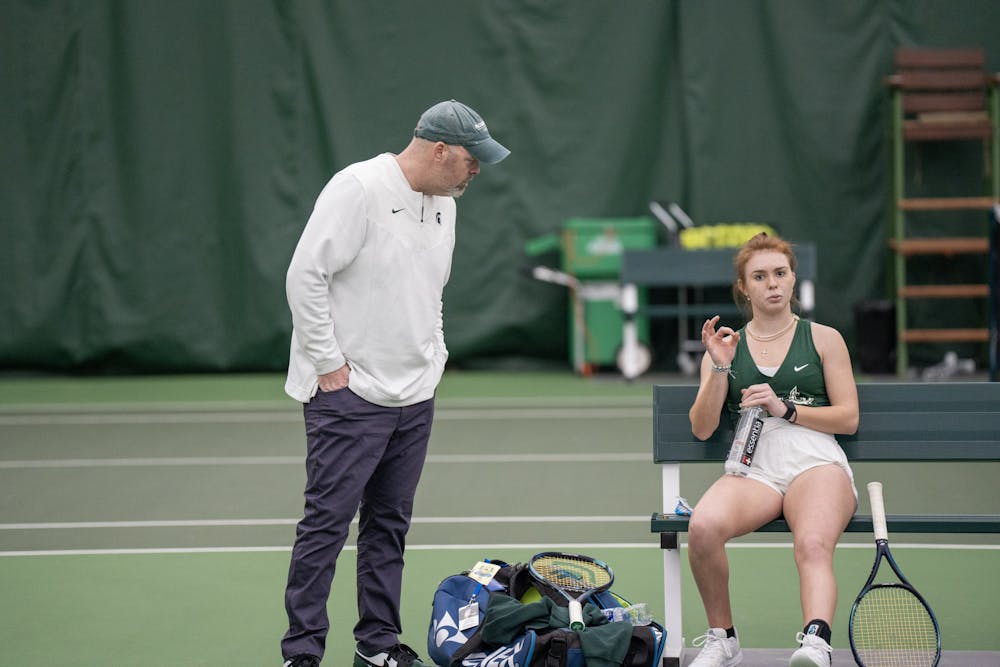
{"points": [[949, 421]]}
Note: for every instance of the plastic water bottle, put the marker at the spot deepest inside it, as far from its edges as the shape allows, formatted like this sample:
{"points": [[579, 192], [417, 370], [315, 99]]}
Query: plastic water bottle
{"points": [[745, 440], [636, 614]]}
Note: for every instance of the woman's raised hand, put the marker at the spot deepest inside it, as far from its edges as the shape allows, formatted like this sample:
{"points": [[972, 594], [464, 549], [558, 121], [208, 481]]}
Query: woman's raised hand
{"points": [[720, 344]]}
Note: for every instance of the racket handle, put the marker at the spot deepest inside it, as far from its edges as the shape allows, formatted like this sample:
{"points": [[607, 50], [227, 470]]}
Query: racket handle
{"points": [[878, 511], [576, 616]]}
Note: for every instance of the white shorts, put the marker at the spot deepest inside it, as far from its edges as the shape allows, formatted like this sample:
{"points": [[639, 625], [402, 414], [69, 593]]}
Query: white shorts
{"points": [[787, 450]]}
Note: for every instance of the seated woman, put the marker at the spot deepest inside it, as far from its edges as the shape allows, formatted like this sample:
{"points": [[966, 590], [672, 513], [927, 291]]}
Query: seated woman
{"points": [[800, 373]]}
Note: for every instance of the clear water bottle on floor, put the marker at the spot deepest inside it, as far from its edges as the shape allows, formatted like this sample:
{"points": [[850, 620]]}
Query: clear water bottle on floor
{"points": [[745, 440]]}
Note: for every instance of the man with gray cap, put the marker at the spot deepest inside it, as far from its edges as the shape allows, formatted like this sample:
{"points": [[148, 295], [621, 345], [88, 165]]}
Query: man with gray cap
{"points": [[364, 288]]}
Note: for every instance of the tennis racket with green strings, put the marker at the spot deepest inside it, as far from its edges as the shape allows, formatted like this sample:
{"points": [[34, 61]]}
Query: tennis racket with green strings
{"points": [[576, 577], [891, 623]]}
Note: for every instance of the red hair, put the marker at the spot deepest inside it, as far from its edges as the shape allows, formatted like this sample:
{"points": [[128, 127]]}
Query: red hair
{"points": [[759, 243]]}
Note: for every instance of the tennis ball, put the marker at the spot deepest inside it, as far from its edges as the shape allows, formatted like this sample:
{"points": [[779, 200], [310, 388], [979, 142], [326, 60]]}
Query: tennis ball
{"points": [[531, 595]]}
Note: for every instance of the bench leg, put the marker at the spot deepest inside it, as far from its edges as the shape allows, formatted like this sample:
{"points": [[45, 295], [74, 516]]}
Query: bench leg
{"points": [[674, 651]]}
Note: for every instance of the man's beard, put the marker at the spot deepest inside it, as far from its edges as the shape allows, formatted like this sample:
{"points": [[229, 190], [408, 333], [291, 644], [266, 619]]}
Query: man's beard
{"points": [[458, 190]]}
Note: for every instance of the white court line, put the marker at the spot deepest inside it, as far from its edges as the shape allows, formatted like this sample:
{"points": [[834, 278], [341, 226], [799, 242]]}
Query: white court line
{"points": [[287, 416], [154, 461], [196, 523], [165, 461], [199, 523], [442, 520], [416, 547], [287, 405], [260, 417], [454, 547]]}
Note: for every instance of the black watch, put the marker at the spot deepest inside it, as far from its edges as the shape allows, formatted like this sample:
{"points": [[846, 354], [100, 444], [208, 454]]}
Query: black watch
{"points": [[790, 412]]}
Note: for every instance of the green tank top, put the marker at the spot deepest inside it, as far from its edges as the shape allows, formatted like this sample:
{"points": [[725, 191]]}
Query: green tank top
{"points": [[799, 378]]}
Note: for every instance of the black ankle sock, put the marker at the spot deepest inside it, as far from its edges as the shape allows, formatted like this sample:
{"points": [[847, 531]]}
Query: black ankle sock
{"points": [[730, 632], [818, 627]]}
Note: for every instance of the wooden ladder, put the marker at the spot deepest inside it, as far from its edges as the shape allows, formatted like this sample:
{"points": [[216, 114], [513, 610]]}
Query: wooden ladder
{"points": [[940, 95]]}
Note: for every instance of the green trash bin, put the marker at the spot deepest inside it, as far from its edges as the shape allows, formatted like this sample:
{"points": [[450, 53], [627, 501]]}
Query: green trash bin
{"points": [[591, 251]]}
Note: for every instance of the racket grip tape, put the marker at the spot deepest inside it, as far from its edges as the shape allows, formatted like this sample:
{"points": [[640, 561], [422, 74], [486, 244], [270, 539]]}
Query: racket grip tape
{"points": [[878, 511], [576, 616]]}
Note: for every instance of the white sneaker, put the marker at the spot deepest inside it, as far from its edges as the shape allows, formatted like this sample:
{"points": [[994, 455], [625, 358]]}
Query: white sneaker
{"points": [[813, 652], [717, 650]]}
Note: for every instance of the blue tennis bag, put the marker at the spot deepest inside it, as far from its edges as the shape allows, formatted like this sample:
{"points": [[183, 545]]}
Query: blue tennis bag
{"points": [[515, 621]]}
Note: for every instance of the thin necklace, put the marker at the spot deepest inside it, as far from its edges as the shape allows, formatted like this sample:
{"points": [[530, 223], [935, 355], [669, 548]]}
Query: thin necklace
{"points": [[768, 338]]}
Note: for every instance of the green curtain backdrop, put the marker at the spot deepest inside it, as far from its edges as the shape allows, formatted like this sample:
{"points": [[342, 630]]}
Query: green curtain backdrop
{"points": [[160, 159]]}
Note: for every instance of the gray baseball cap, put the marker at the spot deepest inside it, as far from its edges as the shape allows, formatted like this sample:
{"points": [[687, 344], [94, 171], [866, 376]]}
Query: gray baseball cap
{"points": [[456, 124]]}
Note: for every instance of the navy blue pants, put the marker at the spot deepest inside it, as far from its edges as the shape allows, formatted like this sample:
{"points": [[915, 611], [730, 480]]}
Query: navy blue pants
{"points": [[360, 455]]}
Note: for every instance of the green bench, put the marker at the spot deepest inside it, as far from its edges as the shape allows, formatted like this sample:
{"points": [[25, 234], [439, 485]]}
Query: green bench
{"points": [[924, 422]]}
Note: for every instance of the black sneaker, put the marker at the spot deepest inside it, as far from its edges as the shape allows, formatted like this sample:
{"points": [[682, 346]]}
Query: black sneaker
{"points": [[399, 655], [301, 661]]}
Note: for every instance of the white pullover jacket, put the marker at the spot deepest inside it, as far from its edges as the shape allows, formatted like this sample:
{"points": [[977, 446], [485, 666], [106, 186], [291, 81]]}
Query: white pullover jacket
{"points": [[364, 286]]}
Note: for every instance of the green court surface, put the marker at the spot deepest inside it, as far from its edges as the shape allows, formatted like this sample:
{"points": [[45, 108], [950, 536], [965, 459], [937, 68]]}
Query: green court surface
{"points": [[148, 521]]}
